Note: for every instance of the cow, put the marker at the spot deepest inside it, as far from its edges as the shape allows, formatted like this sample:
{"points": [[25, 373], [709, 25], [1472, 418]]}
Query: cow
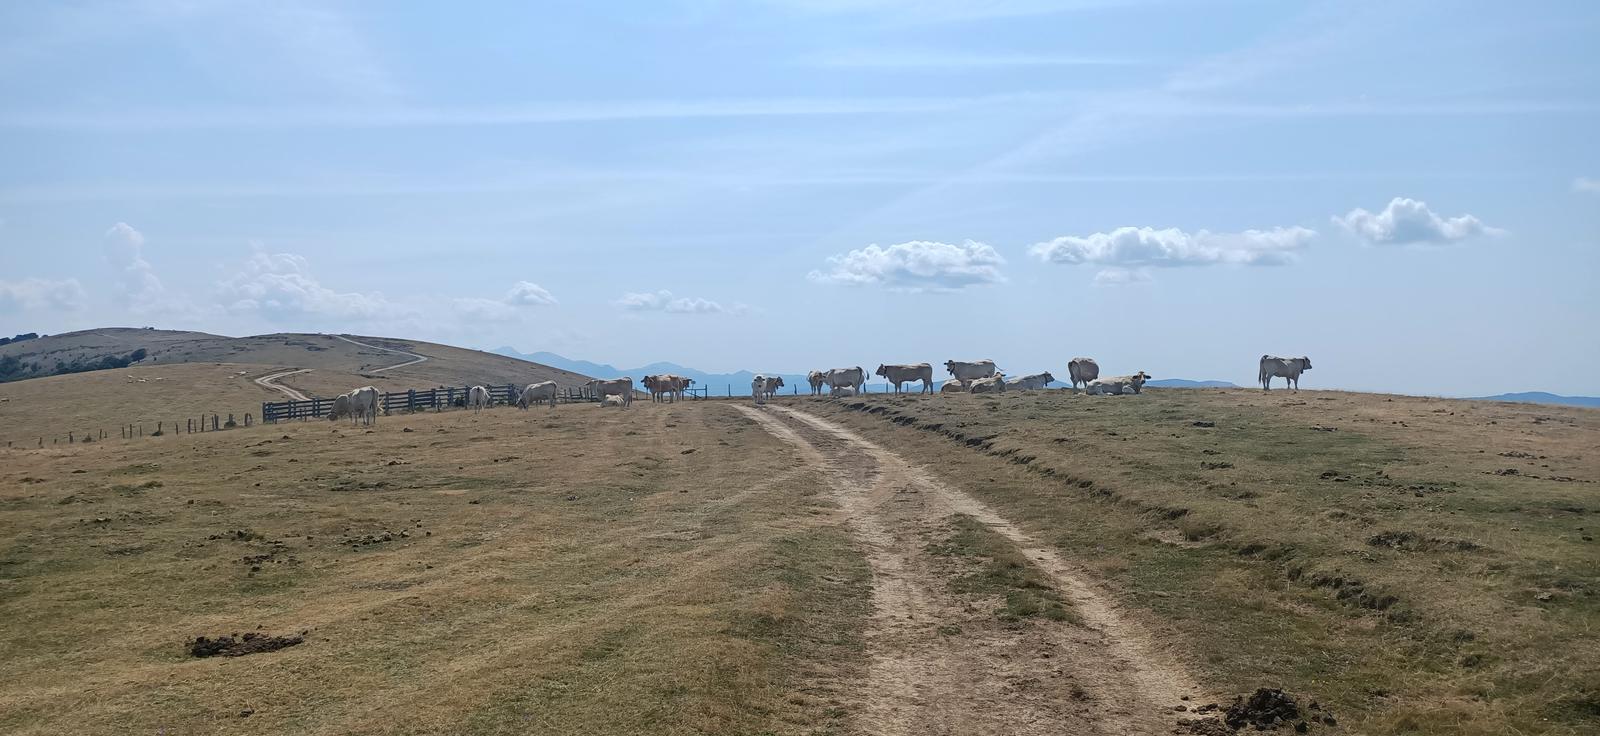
{"points": [[771, 385], [341, 407], [537, 392], [842, 391], [620, 386], [1117, 385], [966, 373], [1082, 370], [675, 385], [653, 388], [1030, 383], [852, 378], [816, 379], [952, 387], [616, 400], [900, 374], [758, 388], [477, 398], [364, 404], [1288, 368], [994, 384]]}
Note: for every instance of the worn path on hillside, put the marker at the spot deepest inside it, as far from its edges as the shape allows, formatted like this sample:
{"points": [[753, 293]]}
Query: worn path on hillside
{"points": [[940, 664], [270, 382], [415, 358]]}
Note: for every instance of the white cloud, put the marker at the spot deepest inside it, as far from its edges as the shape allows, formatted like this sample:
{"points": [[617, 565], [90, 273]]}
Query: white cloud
{"points": [[1127, 247], [41, 294], [918, 265], [1585, 184], [527, 293], [137, 283], [1410, 221], [664, 301], [280, 287]]}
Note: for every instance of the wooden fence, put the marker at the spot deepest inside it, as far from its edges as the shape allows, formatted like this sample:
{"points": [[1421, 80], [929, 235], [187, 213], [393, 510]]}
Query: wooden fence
{"points": [[394, 402]]}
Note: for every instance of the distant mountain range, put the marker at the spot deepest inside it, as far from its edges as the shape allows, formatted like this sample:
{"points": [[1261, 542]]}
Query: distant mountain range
{"points": [[734, 382], [1542, 397]]}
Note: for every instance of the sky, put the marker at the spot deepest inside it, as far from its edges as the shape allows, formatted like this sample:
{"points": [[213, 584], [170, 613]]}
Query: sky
{"points": [[1408, 193]]}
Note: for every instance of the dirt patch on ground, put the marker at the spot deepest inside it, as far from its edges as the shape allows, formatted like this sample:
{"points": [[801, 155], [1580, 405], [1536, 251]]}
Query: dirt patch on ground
{"points": [[237, 646]]}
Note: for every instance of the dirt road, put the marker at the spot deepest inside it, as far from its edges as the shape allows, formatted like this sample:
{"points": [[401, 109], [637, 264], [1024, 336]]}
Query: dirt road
{"points": [[415, 358], [941, 664], [270, 382]]}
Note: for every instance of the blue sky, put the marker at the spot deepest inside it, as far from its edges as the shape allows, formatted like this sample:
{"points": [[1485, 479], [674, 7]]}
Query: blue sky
{"points": [[1176, 187]]}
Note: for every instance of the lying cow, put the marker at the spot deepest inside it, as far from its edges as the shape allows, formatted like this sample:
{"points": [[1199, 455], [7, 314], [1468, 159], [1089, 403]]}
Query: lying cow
{"points": [[1082, 371], [477, 399], [1117, 385], [966, 372], [619, 386], [536, 393], [1287, 368], [842, 391], [995, 384], [901, 374], [1030, 383], [615, 400], [952, 387]]}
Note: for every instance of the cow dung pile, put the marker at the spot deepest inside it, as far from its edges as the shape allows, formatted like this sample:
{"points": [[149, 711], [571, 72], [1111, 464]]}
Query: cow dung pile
{"points": [[238, 646], [1268, 709]]}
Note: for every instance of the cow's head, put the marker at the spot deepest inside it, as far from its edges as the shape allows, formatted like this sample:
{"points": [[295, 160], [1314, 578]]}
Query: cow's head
{"points": [[1140, 377], [1305, 363], [778, 381], [882, 371], [1049, 378], [950, 367]]}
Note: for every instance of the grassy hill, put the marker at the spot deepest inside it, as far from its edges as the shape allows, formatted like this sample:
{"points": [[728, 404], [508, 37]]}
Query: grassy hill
{"points": [[184, 374]]}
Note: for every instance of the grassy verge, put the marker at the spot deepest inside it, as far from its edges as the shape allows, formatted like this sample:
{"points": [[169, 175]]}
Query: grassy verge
{"points": [[1001, 570]]}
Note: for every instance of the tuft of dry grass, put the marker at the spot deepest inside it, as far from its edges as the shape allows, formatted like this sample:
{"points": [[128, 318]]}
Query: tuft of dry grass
{"points": [[1421, 565], [561, 572]]}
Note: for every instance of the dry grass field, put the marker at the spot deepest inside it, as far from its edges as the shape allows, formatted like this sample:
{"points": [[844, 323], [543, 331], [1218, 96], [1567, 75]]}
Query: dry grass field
{"points": [[188, 374], [1035, 563], [1422, 566]]}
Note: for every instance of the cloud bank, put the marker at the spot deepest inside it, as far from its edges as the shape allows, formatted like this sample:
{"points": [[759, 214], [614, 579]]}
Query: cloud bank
{"points": [[1407, 221], [919, 265], [663, 301]]}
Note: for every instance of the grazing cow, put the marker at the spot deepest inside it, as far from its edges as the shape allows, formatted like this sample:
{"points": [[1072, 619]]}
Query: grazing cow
{"points": [[1083, 370], [477, 398], [1030, 383], [900, 374], [853, 378], [620, 386], [1288, 368], [1117, 385], [537, 392], [966, 373], [816, 379], [616, 400], [341, 407], [994, 384], [952, 387]]}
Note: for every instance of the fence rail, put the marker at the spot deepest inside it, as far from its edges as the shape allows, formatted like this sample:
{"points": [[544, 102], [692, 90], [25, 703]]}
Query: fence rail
{"points": [[413, 400]]}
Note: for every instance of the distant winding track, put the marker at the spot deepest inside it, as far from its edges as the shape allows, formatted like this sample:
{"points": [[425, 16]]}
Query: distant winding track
{"points": [[268, 382], [415, 357]]}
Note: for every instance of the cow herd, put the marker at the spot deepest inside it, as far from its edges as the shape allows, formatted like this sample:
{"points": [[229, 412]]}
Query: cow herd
{"points": [[977, 377]]}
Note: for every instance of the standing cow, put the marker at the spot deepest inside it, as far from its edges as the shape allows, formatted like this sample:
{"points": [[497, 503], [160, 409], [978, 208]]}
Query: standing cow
{"points": [[1083, 370], [1287, 368], [816, 379], [758, 388], [966, 372], [622, 387], [477, 399], [851, 378], [901, 374], [536, 393]]}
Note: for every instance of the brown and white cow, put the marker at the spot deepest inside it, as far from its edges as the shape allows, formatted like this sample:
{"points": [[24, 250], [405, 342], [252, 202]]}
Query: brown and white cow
{"points": [[902, 374]]}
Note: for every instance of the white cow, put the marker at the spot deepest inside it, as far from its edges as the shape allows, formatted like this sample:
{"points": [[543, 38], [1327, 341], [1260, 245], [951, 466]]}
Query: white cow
{"points": [[816, 379], [900, 374], [1082, 371], [364, 402], [1030, 383], [341, 407], [620, 386], [852, 378], [1288, 368], [994, 384], [477, 398], [966, 373], [538, 392], [842, 391], [771, 385], [758, 388], [952, 387], [615, 400], [1117, 385]]}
